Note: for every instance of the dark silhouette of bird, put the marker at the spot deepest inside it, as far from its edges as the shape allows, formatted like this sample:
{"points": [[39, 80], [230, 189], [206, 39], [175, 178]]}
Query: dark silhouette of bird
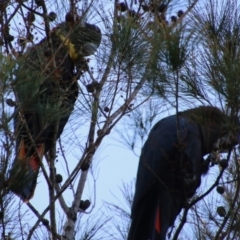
{"points": [[46, 90], [170, 168]]}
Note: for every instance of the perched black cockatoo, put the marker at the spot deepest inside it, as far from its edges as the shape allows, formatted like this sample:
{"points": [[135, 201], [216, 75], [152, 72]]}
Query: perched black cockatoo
{"points": [[170, 168], [46, 89]]}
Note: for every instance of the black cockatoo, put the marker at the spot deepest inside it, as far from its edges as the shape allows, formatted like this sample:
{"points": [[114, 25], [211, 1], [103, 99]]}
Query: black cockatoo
{"points": [[46, 89], [170, 168]]}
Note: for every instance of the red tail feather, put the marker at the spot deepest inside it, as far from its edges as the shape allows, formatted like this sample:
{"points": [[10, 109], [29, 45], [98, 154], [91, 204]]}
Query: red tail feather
{"points": [[158, 221]]}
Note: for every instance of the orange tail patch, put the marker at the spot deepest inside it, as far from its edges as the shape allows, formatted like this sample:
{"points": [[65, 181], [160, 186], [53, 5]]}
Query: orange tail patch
{"points": [[157, 221], [34, 161], [22, 151]]}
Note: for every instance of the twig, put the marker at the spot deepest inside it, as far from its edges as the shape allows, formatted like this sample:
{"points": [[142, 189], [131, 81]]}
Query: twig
{"points": [[70, 224], [217, 236]]}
